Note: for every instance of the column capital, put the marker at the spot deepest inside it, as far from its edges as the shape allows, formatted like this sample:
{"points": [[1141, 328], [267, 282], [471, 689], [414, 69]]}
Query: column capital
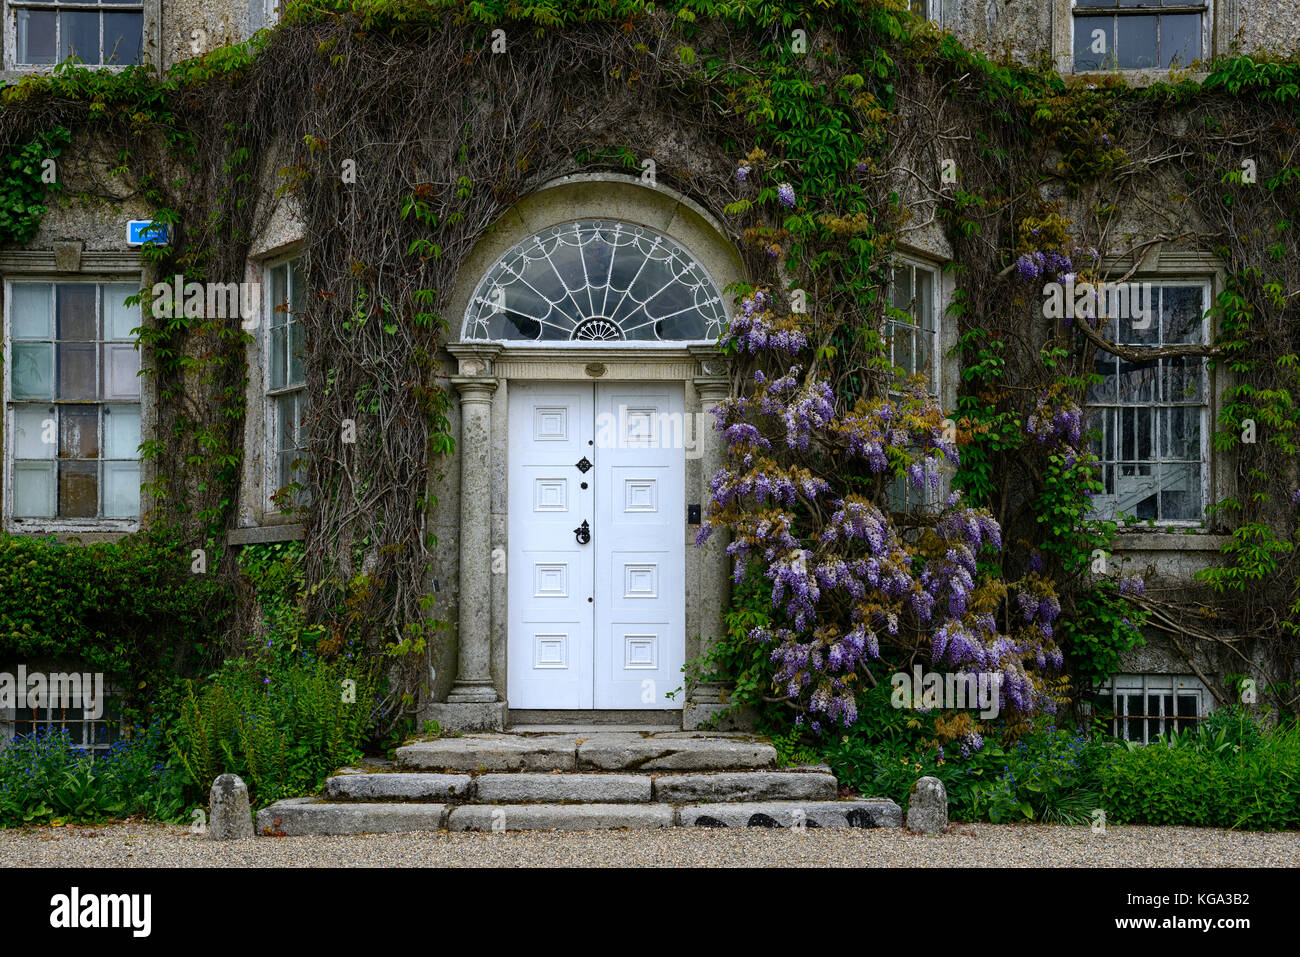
{"points": [[712, 389], [475, 388]]}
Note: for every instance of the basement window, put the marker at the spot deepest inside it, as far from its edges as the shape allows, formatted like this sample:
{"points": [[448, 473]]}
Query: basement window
{"points": [[1138, 34], [94, 32], [1140, 708], [73, 401]]}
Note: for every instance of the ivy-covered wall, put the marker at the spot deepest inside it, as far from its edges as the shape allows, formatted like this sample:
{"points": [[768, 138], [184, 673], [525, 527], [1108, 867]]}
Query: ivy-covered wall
{"points": [[243, 152]]}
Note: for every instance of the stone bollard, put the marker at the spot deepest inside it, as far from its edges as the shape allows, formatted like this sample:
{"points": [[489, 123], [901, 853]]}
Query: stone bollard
{"points": [[927, 806], [231, 818]]}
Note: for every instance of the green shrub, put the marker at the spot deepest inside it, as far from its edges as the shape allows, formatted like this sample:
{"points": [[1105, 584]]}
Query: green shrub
{"points": [[283, 730], [1206, 778]]}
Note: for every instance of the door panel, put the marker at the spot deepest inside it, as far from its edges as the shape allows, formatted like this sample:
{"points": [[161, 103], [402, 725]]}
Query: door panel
{"points": [[549, 654], [640, 579]]}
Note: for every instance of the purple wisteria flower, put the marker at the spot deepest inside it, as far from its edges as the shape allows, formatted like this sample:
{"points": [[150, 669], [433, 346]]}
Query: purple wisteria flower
{"points": [[742, 173], [1132, 586], [785, 193]]}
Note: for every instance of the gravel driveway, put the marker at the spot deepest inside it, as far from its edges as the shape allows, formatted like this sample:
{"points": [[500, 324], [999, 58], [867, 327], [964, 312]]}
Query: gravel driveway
{"points": [[988, 845]]}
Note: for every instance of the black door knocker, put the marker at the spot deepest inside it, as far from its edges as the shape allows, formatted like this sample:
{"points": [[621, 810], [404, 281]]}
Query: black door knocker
{"points": [[583, 533]]}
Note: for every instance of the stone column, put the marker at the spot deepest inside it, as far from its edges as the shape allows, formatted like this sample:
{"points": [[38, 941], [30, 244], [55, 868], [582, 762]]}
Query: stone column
{"points": [[473, 703], [714, 595]]}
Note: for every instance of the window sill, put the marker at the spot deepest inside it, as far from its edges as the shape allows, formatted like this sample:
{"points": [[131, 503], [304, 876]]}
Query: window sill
{"points": [[1149, 540], [87, 532], [261, 534], [1134, 78]]}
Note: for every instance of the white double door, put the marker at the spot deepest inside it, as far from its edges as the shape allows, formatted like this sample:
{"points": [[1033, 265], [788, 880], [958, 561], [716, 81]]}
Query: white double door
{"points": [[598, 621]]}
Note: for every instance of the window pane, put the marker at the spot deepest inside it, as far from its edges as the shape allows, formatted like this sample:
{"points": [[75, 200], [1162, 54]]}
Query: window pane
{"points": [[79, 36], [121, 432], [923, 357], [1180, 492], [1136, 42], [1133, 707], [122, 32], [1181, 429], [31, 428], [298, 287], [76, 370], [1136, 383], [1094, 43], [79, 433], [121, 489], [121, 363], [1180, 38], [33, 372], [76, 311], [287, 423], [901, 297], [120, 319], [30, 303], [296, 350], [33, 489], [1182, 309], [279, 296], [1183, 379], [924, 298], [279, 356], [36, 36], [78, 489]]}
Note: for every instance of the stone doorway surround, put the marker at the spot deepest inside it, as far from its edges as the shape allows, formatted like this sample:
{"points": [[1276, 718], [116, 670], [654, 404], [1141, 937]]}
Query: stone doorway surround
{"points": [[477, 699]]}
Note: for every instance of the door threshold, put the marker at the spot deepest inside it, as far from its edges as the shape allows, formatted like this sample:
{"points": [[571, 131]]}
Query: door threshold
{"points": [[613, 720]]}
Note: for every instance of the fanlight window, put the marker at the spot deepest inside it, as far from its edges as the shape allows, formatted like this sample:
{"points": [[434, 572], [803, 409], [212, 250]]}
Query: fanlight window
{"points": [[596, 281]]}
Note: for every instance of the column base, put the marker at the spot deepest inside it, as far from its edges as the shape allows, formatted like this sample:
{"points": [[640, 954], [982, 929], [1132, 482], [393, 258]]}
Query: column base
{"points": [[704, 715], [468, 716], [472, 692]]}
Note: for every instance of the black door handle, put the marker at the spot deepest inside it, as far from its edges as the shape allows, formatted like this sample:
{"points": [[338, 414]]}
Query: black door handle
{"points": [[583, 533]]}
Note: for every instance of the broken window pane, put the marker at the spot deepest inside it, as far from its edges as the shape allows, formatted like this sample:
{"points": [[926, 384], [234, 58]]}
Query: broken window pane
{"points": [[30, 304], [78, 489], [79, 433]]}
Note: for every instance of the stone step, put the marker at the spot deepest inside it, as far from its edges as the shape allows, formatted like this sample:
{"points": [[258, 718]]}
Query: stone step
{"points": [[609, 787], [746, 786], [535, 788], [393, 786], [302, 816], [599, 751], [559, 817], [861, 812], [297, 817]]}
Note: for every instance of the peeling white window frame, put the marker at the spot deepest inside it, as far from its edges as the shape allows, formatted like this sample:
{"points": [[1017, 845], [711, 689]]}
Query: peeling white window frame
{"points": [[938, 309], [271, 422], [1207, 406], [62, 526]]}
